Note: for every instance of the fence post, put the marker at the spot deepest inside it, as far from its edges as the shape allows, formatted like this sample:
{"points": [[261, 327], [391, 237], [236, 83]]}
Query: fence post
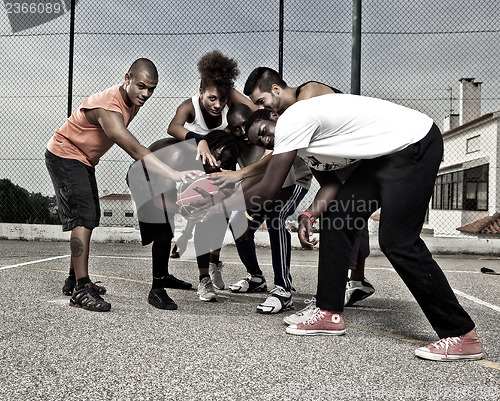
{"points": [[356, 48], [280, 56], [71, 52]]}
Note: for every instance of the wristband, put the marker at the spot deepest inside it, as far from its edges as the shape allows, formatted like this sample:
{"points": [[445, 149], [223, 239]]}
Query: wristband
{"points": [[195, 136], [247, 215], [309, 216]]}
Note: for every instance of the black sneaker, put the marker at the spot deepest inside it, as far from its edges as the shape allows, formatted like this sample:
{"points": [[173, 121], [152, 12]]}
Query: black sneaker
{"points": [[159, 299], [70, 284], [173, 282], [88, 298]]}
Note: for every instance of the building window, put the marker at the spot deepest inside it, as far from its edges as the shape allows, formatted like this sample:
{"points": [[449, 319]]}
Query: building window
{"points": [[462, 190], [108, 213], [129, 214], [473, 144], [448, 191], [476, 188]]}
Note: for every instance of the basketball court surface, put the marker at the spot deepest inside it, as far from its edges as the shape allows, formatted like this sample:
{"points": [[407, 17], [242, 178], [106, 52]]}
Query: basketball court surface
{"points": [[225, 350]]}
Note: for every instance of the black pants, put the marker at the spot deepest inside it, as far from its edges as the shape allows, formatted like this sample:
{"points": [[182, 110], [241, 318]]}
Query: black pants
{"points": [[401, 184]]}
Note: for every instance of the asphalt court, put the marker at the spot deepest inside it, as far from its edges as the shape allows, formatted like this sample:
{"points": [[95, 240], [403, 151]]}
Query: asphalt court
{"points": [[224, 350]]}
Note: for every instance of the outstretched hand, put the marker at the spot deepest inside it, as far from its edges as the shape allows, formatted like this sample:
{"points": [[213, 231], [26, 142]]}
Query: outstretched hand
{"points": [[182, 176], [305, 232], [203, 151], [224, 178]]}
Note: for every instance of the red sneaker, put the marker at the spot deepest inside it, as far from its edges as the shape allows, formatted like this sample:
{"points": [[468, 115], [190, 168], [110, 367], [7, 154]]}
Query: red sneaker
{"points": [[321, 322], [465, 348]]}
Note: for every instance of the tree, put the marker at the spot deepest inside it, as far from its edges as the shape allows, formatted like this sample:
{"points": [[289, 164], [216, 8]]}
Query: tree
{"points": [[17, 205]]}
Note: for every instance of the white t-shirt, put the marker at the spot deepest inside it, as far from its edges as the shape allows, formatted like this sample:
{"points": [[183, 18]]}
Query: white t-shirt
{"points": [[332, 131], [199, 125]]}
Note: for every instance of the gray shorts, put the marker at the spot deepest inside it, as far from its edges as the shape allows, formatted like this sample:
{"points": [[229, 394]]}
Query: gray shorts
{"points": [[76, 192]]}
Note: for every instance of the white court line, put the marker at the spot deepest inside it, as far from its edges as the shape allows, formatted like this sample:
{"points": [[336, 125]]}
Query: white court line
{"points": [[477, 300], [33, 262]]}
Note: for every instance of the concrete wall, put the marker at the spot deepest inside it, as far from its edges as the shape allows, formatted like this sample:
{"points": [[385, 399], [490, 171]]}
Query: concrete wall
{"points": [[487, 246]]}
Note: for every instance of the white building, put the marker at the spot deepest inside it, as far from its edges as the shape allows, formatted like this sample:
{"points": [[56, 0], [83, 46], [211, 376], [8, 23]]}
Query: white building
{"points": [[117, 210], [466, 198]]}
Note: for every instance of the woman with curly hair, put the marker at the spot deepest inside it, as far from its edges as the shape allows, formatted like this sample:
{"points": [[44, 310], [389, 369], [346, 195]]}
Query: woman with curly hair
{"points": [[196, 117], [207, 110]]}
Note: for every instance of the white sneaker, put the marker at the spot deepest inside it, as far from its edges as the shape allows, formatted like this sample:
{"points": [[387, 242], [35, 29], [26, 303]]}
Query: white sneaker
{"points": [[303, 314], [280, 300], [215, 271], [206, 291], [250, 284], [356, 291]]}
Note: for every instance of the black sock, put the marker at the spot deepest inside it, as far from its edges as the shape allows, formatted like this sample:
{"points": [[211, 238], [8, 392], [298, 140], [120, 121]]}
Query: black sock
{"points": [[214, 258], [72, 273], [161, 253], [80, 282], [202, 276]]}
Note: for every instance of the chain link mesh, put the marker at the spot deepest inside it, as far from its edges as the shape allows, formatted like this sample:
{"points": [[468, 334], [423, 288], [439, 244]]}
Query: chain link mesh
{"points": [[413, 53]]}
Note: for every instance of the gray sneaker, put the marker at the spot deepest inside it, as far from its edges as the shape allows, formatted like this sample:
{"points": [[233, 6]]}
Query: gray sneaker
{"points": [[206, 291], [215, 271]]}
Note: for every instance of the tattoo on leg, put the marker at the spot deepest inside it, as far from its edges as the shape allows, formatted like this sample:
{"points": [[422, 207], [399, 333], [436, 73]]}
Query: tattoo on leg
{"points": [[76, 246]]}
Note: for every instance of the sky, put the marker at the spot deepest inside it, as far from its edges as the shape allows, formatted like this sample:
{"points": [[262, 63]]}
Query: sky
{"points": [[413, 53]]}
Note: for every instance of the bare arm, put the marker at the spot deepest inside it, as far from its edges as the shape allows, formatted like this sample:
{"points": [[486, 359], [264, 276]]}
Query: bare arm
{"points": [[238, 97], [114, 127], [253, 170], [183, 114], [267, 189]]}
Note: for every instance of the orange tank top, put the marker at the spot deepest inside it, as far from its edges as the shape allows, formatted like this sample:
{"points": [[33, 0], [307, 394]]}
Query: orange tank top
{"points": [[80, 140]]}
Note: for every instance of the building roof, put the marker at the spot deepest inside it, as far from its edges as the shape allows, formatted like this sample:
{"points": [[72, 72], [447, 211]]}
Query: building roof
{"points": [[469, 123], [116, 197], [486, 225]]}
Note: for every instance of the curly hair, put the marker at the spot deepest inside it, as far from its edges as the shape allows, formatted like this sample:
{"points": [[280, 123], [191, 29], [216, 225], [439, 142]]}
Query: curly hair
{"points": [[219, 71]]}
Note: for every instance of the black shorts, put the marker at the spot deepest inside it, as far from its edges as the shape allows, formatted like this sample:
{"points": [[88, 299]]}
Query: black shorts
{"points": [[76, 192]]}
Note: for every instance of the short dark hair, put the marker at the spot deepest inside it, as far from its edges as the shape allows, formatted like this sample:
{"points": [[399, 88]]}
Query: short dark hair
{"points": [[239, 108], [263, 78], [257, 116], [221, 139], [143, 65], [219, 71]]}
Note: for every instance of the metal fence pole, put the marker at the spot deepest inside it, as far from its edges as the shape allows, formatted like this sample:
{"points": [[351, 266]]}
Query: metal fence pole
{"points": [[71, 52], [280, 60], [356, 48]]}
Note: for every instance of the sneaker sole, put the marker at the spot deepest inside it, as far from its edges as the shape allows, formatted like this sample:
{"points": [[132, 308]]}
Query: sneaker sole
{"points": [[256, 289], [358, 295], [75, 305], [207, 299], [219, 288], [298, 332], [272, 312], [164, 307], [447, 358]]}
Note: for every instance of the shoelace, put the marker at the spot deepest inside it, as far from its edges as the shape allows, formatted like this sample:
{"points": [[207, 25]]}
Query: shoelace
{"points": [[447, 343], [310, 303], [318, 315], [279, 290]]}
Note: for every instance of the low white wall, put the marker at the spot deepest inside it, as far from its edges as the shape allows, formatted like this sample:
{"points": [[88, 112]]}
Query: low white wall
{"points": [[488, 246]]}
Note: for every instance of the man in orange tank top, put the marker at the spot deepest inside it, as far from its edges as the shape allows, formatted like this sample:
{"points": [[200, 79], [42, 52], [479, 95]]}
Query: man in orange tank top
{"points": [[71, 156]]}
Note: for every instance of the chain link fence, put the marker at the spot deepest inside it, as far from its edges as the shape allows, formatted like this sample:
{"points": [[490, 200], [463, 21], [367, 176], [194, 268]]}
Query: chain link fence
{"points": [[415, 54]]}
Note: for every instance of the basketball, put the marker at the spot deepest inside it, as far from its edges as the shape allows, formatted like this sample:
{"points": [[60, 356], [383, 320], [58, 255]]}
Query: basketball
{"points": [[194, 190]]}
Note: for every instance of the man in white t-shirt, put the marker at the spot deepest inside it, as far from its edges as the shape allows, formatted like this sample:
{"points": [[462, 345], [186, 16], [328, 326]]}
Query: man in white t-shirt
{"points": [[401, 150]]}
